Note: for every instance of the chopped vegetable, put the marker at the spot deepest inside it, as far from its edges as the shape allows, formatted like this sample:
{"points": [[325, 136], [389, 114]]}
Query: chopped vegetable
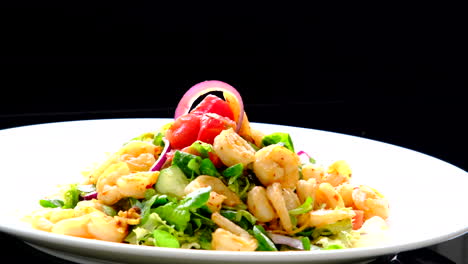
{"points": [[286, 240], [278, 138], [304, 208], [172, 181], [305, 243], [205, 87], [178, 187], [165, 239], [188, 163], [208, 168], [178, 213], [163, 155], [264, 242], [309, 158], [71, 197], [51, 203]]}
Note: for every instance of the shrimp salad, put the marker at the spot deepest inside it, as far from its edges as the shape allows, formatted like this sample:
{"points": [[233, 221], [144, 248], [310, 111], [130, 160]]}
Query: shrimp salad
{"points": [[209, 180]]}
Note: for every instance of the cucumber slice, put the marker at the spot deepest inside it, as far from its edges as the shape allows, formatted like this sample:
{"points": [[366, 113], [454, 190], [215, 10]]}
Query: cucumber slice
{"points": [[172, 181]]}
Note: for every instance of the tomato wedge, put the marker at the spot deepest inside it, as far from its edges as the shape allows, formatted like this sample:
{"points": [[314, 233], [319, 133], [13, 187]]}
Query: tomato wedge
{"points": [[184, 131], [203, 123], [215, 105], [358, 219], [211, 125]]}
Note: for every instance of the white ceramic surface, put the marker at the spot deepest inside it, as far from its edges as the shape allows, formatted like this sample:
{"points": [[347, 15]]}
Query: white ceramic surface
{"points": [[427, 196]]}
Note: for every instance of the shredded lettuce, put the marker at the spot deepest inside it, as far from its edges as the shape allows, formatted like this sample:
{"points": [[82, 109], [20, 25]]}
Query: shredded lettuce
{"points": [[335, 236]]}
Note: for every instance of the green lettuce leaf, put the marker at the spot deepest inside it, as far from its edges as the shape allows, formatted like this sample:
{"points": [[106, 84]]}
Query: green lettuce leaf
{"points": [[279, 137], [188, 163]]}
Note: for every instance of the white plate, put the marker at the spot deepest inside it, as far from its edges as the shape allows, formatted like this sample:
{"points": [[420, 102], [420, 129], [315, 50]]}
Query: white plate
{"points": [[427, 196]]}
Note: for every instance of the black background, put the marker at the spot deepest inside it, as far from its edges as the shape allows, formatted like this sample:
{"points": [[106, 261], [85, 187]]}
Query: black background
{"points": [[394, 73]]}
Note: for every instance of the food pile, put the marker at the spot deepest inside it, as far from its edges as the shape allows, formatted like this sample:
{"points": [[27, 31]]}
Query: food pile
{"points": [[210, 180]]}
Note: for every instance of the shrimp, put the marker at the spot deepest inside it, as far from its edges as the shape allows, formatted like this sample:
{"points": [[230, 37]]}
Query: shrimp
{"points": [[327, 195], [257, 137], [96, 225], [233, 149], [45, 219], [346, 192], [370, 201], [312, 171], [138, 155], [259, 205], [291, 199], [86, 220], [276, 163], [217, 186], [306, 188], [338, 173], [275, 195], [231, 236], [225, 240], [215, 201], [321, 217], [118, 182]]}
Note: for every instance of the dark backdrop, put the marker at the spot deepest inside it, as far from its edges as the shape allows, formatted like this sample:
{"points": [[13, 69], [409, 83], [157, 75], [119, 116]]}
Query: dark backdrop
{"points": [[391, 73]]}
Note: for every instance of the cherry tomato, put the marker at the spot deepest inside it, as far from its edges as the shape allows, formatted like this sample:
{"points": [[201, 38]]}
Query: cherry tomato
{"points": [[214, 104], [203, 123], [184, 131]]}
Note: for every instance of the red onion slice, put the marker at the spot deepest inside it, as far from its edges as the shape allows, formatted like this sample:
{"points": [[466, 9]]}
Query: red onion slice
{"points": [[89, 196], [301, 152], [285, 240], [162, 157], [205, 87]]}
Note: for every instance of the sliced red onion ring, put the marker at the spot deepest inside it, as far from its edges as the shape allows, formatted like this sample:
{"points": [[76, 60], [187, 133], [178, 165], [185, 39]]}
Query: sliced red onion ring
{"points": [[162, 157], [205, 87], [285, 240]]}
